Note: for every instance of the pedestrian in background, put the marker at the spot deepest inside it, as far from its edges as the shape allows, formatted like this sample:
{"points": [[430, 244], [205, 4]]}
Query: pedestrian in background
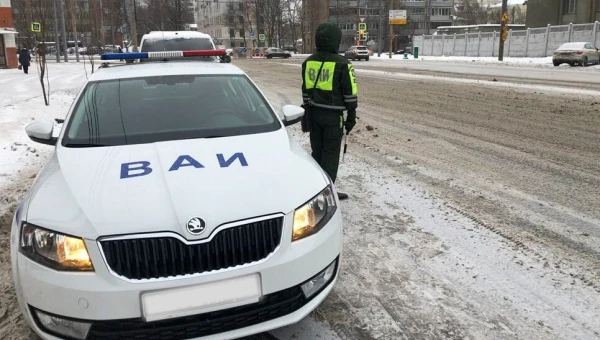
{"points": [[25, 59], [328, 89]]}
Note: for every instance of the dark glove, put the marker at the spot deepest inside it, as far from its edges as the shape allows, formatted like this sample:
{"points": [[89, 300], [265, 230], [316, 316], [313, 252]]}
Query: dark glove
{"points": [[350, 121]]}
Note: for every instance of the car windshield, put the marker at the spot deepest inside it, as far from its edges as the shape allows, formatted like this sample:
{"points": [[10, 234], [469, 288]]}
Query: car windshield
{"points": [[361, 48], [163, 108]]}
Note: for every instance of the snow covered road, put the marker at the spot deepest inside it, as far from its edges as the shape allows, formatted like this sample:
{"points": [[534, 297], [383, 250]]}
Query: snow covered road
{"points": [[518, 70], [474, 210]]}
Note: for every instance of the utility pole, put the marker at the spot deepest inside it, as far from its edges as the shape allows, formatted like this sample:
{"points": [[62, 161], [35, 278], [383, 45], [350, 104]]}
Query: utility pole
{"points": [[503, 31], [63, 30], [357, 19], [391, 36], [380, 30], [74, 23], [56, 31]]}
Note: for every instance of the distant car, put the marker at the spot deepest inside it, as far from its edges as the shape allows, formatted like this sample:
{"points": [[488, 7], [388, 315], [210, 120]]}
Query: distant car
{"points": [[581, 53], [274, 52], [290, 48], [357, 53]]}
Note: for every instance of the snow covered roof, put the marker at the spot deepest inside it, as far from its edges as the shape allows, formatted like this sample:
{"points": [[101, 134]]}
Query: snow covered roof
{"points": [[510, 3], [150, 69], [8, 31], [175, 34]]}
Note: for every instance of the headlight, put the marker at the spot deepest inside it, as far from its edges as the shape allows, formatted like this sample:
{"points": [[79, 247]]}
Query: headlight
{"points": [[312, 216], [57, 251]]}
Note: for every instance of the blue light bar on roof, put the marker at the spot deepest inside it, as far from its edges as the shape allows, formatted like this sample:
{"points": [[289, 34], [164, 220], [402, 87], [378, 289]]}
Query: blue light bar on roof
{"points": [[163, 55]]}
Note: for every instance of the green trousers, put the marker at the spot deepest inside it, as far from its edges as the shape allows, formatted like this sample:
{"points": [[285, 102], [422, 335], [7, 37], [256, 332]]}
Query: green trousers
{"points": [[326, 139]]}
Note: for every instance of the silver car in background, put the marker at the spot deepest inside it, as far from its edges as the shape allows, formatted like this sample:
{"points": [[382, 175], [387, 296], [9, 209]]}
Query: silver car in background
{"points": [[580, 53]]}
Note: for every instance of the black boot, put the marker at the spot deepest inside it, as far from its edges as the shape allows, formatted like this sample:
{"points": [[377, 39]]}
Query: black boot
{"points": [[342, 196]]}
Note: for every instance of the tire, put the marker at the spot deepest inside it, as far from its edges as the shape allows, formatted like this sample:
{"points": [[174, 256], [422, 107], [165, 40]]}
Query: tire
{"points": [[556, 63], [367, 59], [270, 56], [584, 62]]}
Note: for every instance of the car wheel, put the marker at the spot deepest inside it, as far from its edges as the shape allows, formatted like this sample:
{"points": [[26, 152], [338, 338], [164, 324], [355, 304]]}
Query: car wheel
{"points": [[269, 57], [556, 63], [367, 58], [584, 62]]}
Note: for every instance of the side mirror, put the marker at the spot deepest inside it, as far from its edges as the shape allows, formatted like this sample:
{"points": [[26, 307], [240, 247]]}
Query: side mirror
{"points": [[41, 132], [292, 114]]}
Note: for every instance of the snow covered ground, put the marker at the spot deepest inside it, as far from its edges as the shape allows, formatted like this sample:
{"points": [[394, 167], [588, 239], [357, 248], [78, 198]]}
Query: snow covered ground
{"points": [[509, 61]]}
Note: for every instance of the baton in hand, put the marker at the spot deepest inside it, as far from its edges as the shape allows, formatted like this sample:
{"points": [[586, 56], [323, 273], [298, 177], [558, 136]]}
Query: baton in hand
{"points": [[345, 146]]}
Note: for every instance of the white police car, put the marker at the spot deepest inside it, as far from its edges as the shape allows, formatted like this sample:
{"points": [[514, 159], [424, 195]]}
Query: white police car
{"points": [[175, 206]]}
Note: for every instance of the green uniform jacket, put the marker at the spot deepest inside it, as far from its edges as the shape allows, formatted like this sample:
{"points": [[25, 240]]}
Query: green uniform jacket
{"points": [[336, 88]]}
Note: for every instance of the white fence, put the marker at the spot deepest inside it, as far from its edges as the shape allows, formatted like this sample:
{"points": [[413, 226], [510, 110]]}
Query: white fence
{"points": [[532, 43]]}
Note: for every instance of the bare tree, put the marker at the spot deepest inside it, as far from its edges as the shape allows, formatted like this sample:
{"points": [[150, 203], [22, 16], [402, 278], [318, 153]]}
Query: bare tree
{"points": [[470, 12], [41, 12]]}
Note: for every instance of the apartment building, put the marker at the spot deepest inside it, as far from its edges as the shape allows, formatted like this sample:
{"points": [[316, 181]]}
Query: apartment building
{"points": [[8, 47], [424, 17], [229, 23], [314, 12], [562, 12]]}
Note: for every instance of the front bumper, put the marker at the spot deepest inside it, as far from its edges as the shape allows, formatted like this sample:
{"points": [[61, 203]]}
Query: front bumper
{"points": [[113, 305]]}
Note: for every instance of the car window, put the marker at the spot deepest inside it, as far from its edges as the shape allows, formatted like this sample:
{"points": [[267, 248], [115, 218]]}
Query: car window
{"points": [[176, 44], [362, 48], [163, 108]]}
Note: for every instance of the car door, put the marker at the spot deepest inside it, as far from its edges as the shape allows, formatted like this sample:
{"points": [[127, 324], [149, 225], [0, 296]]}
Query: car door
{"points": [[592, 53]]}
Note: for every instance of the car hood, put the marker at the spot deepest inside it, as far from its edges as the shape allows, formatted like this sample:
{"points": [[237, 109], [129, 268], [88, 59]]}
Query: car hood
{"points": [[102, 191]]}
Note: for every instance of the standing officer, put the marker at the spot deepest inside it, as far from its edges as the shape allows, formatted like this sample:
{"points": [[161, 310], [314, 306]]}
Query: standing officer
{"points": [[326, 100]]}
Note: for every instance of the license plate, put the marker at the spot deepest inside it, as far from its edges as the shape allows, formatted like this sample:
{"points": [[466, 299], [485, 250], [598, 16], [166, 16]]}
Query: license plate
{"points": [[202, 298]]}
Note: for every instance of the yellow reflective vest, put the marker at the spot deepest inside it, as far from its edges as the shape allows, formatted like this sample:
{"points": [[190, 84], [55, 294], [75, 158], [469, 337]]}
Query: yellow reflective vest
{"points": [[335, 89]]}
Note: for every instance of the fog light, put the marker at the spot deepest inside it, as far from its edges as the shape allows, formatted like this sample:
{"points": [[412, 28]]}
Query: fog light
{"points": [[73, 329], [318, 281]]}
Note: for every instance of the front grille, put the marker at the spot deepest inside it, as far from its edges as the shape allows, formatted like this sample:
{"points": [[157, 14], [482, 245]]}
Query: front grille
{"points": [[270, 307], [159, 257]]}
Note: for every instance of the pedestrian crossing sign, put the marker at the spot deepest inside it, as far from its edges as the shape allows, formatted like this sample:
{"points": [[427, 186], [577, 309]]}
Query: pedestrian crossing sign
{"points": [[36, 27]]}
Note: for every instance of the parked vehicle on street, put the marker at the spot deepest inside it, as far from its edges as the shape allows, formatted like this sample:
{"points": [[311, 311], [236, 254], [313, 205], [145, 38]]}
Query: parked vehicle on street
{"points": [[161, 41], [274, 52], [357, 53], [576, 53], [175, 205]]}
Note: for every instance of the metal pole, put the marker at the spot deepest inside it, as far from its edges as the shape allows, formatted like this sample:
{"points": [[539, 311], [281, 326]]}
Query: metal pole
{"points": [[380, 30], [502, 29], [63, 29], [57, 44], [391, 36]]}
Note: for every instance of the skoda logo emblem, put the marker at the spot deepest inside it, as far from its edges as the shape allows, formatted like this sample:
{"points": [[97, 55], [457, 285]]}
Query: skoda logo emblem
{"points": [[196, 226]]}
